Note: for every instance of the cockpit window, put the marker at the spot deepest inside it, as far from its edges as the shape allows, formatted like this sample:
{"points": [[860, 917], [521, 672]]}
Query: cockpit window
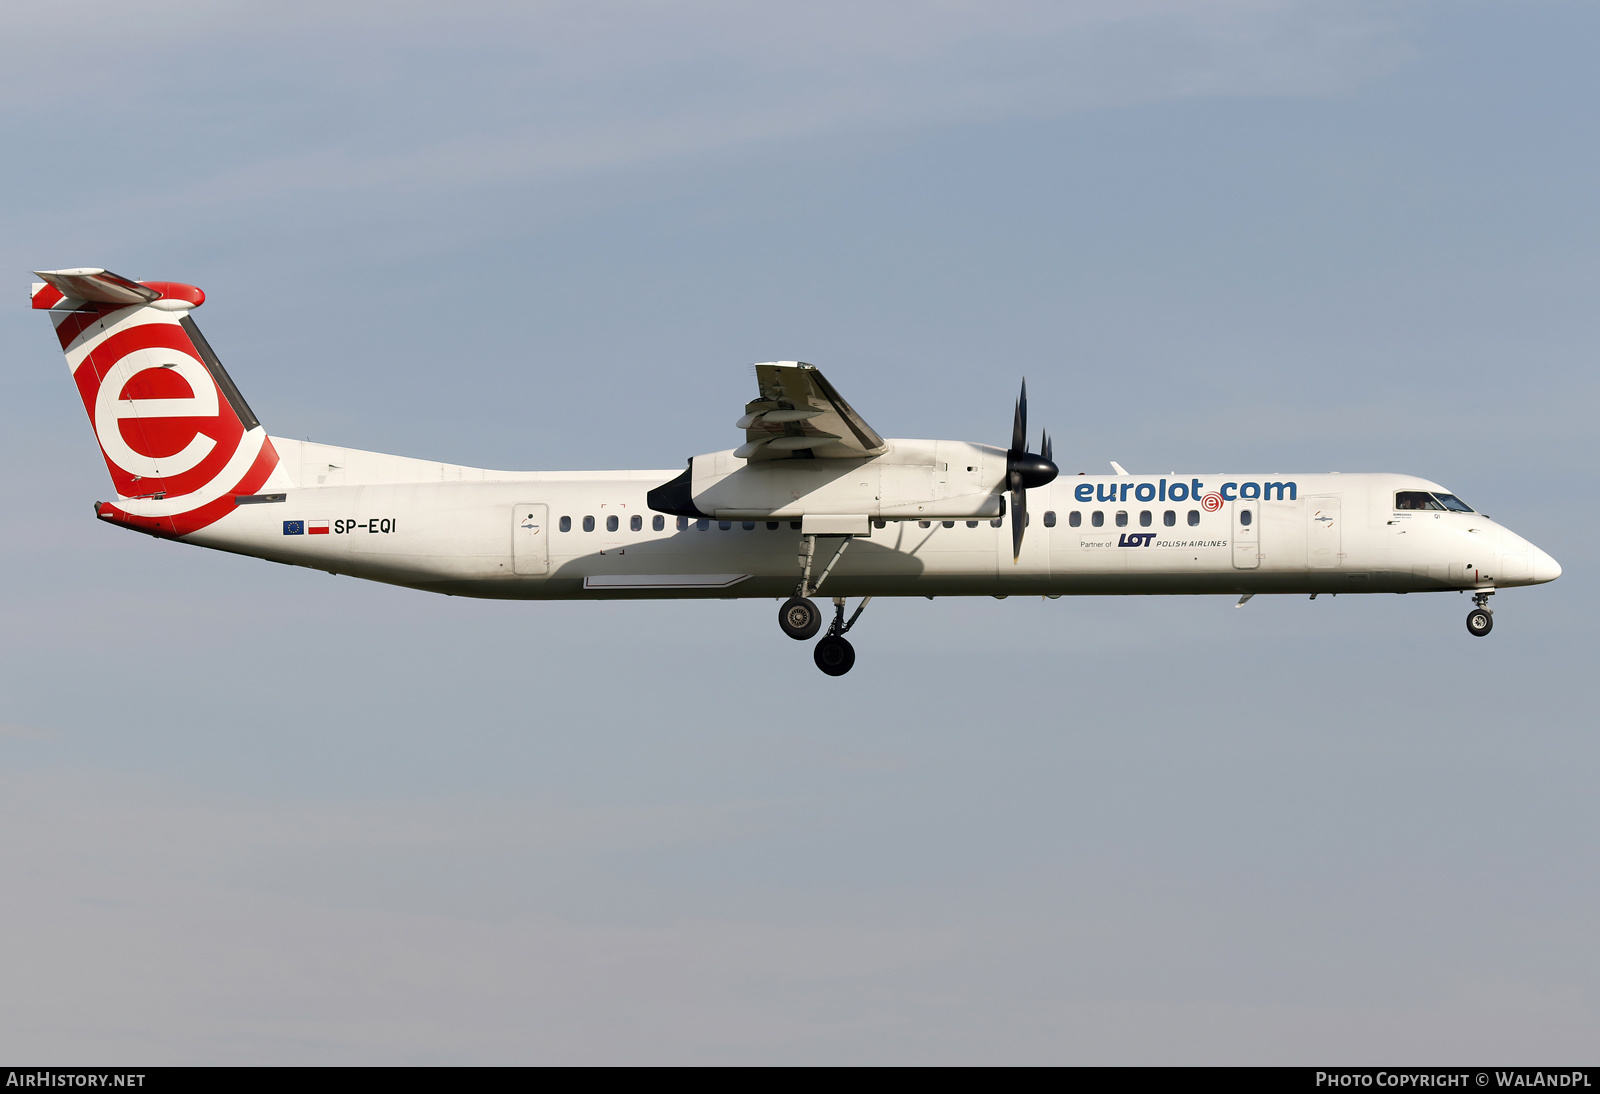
{"points": [[1421, 499], [1415, 499]]}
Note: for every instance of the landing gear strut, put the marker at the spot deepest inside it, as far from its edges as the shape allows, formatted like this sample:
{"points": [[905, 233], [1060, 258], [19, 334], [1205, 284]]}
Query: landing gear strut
{"points": [[834, 654], [1480, 620], [800, 617]]}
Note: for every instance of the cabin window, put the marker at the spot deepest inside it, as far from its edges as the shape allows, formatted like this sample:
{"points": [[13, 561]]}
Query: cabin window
{"points": [[995, 523], [772, 526], [972, 524], [703, 525], [659, 523], [794, 526], [725, 524], [1122, 518], [1169, 518], [1144, 518], [1194, 518], [1075, 518], [683, 523], [636, 523], [1098, 518], [588, 524], [1049, 518], [611, 524], [1416, 499], [948, 523], [1453, 503], [566, 524], [875, 524], [924, 524], [748, 525], [1245, 517]]}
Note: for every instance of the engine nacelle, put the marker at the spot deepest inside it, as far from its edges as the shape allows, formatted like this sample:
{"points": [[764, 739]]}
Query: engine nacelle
{"points": [[913, 480]]}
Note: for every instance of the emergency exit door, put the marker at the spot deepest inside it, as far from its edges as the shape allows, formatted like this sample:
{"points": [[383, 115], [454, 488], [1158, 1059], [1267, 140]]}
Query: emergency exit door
{"points": [[530, 539]]}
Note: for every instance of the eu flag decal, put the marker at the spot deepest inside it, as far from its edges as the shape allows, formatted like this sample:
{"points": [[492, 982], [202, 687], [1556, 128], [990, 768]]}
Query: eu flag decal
{"points": [[294, 527]]}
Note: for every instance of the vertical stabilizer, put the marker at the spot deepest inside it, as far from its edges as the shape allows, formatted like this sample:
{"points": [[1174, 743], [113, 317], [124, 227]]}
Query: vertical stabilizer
{"points": [[177, 436]]}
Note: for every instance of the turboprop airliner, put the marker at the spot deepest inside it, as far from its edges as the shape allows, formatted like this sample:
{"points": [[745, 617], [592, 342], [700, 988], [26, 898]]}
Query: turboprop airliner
{"points": [[813, 499]]}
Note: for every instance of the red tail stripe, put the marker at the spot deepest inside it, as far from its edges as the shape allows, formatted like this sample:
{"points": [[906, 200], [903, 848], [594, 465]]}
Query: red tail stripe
{"points": [[183, 523], [74, 324]]}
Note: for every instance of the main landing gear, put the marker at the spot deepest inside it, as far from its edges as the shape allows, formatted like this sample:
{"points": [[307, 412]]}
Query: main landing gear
{"points": [[1480, 620], [800, 618]]}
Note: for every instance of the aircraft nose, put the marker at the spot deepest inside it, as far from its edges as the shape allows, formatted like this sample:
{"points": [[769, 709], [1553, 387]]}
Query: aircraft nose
{"points": [[1545, 568]]}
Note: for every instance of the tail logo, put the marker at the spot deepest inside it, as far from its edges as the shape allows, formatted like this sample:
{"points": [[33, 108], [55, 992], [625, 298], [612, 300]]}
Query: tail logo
{"points": [[127, 395], [179, 440], [158, 413]]}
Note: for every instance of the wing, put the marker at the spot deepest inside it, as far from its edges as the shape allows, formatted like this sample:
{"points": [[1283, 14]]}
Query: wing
{"points": [[800, 414]]}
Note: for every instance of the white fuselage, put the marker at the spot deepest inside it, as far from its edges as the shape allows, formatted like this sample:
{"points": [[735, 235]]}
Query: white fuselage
{"points": [[471, 532]]}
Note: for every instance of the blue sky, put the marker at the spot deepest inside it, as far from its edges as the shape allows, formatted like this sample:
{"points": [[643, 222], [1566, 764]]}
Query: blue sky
{"points": [[256, 814]]}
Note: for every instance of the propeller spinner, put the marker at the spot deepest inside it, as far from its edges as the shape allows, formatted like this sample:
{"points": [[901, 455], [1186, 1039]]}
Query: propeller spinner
{"points": [[1025, 471]]}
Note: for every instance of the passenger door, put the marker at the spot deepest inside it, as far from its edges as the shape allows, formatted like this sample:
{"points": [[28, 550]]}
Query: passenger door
{"points": [[1246, 535], [530, 539]]}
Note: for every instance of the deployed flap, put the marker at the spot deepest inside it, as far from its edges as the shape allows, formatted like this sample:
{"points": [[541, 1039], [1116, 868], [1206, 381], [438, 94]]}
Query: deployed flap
{"points": [[799, 412]]}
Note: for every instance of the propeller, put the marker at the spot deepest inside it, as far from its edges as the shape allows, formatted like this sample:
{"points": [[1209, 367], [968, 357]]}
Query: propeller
{"points": [[1025, 470]]}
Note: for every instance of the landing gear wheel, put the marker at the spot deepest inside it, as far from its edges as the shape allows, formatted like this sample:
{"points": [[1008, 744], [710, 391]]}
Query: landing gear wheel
{"points": [[1480, 621], [834, 655], [799, 618]]}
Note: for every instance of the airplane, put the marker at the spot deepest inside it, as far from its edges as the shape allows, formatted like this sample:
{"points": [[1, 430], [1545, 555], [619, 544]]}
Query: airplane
{"points": [[813, 498]]}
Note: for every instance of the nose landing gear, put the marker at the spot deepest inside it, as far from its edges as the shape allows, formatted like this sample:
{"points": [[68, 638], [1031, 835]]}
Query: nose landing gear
{"points": [[1480, 620]]}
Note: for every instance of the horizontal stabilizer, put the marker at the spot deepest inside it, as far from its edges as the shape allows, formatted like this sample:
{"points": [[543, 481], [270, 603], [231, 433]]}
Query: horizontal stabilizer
{"points": [[98, 286]]}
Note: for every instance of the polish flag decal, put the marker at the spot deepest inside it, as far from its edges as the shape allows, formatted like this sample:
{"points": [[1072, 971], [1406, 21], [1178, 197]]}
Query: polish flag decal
{"points": [[316, 527]]}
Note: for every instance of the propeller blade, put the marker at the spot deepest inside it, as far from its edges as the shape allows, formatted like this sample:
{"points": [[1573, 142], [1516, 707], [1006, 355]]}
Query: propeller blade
{"points": [[1024, 470], [1019, 521], [1019, 424]]}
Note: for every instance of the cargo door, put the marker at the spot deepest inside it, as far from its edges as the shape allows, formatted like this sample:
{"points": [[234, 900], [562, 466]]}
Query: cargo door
{"points": [[530, 539], [1323, 533], [1246, 535]]}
